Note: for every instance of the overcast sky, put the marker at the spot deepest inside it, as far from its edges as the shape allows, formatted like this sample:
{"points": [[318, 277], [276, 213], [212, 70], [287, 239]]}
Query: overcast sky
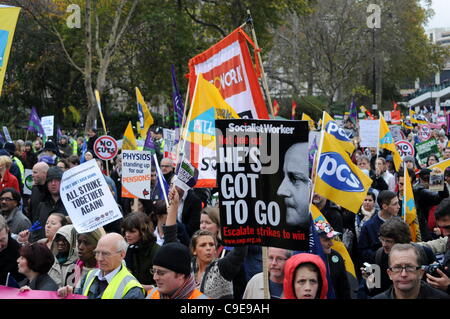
{"points": [[441, 18]]}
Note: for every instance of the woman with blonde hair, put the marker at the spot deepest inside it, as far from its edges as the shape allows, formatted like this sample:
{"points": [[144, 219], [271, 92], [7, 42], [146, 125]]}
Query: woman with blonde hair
{"points": [[6, 178]]}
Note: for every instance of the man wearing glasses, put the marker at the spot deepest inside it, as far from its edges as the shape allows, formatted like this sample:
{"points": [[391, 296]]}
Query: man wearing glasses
{"points": [[111, 280], [173, 274], [9, 206], [405, 272]]}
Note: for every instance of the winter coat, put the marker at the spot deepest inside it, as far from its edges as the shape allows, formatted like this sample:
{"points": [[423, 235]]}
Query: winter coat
{"points": [[338, 274], [45, 209], [139, 260], [368, 242], [289, 274], [9, 180], [424, 200], [426, 292], [64, 273], [8, 261], [41, 282], [17, 221]]}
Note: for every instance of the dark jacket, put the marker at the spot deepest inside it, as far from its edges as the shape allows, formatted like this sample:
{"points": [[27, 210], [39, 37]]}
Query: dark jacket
{"points": [[333, 215], [368, 239], [29, 159], [37, 196], [139, 260], [338, 274], [8, 261], [45, 209], [190, 217], [41, 282], [426, 292], [425, 199]]}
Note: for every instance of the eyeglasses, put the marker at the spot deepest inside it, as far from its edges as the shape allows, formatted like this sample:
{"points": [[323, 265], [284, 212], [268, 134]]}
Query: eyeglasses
{"points": [[399, 269], [276, 259], [166, 165], [387, 241], [159, 272], [6, 199], [105, 254]]}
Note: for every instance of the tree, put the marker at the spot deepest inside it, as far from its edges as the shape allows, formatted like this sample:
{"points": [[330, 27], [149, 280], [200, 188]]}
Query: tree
{"points": [[100, 38]]}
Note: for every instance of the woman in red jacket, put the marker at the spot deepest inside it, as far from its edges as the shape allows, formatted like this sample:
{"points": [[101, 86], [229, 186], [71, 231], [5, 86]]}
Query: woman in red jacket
{"points": [[6, 178], [305, 277]]}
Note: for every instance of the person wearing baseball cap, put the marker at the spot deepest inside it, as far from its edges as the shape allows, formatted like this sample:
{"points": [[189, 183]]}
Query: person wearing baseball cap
{"points": [[172, 273], [338, 272]]}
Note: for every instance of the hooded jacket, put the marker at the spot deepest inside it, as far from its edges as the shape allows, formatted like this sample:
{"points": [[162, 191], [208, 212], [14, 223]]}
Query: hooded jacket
{"points": [[64, 273], [289, 274]]}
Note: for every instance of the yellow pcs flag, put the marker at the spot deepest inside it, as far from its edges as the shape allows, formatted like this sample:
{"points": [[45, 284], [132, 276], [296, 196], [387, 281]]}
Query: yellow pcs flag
{"points": [[409, 212], [146, 115], [413, 119], [8, 21], [337, 244], [386, 141], [129, 140], [338, 179], [441, 165], [306, 117], [338, 134]]}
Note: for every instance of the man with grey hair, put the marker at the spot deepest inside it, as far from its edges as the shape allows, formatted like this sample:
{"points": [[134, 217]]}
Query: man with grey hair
{"points": [[405, 271], [111, 280], [276, 259]]}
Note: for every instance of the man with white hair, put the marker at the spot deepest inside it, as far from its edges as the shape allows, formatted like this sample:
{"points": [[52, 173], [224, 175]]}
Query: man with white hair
{"points": [[111, 280]]}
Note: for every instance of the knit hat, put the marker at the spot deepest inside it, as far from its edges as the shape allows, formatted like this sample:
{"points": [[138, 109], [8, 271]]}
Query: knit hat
{"points": [[10, 147], [54, 173], [175, 257], [408, 159]]}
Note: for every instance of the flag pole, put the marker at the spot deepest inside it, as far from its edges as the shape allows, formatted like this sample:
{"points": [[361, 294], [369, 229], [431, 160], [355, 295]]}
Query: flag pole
{"points": [[263, 74], [160, 179], [182, 122]]}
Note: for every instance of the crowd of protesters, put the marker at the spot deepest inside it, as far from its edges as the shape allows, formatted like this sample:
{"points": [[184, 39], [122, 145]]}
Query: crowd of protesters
{"points": [[175, 252]]}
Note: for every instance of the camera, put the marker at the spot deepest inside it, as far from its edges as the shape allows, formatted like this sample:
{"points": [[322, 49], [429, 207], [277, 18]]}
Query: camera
{"points": [[432, 269]]}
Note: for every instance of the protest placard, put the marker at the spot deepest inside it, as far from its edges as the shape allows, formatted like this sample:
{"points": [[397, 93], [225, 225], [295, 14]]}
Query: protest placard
{"points": [[136, 174], [397, 134], [169, 144], [263, 180], [7, 136], [87, 197], [405, 148], [426, 149], [369, 133], [48, 124], [186, 175], [28, 181]]}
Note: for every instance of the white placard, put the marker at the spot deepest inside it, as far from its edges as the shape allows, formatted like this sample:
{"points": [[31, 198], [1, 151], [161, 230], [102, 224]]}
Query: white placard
{"points": [[387, 116], [28, 181], [87, 197], [369, 131], [136, 174], [47, 124]]}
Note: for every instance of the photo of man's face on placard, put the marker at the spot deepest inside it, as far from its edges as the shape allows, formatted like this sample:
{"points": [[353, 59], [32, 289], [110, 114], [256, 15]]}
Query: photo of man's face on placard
{"points": [[295, 187]]}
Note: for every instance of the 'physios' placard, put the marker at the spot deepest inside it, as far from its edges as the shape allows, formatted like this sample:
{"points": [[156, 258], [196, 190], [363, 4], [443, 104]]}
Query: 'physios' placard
{"points": [[263, 180], [136, 174], [87, 197]]}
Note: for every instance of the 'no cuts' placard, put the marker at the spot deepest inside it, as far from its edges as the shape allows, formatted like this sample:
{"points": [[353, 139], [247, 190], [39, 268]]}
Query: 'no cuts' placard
{"points": [[87, 197]]}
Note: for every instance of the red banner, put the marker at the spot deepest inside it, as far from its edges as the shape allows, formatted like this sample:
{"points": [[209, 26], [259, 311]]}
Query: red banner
{"points": [[14, 293]]}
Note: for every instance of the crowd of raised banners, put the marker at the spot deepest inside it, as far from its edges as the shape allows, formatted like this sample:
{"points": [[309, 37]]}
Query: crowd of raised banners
{"points": [[354, 209]]}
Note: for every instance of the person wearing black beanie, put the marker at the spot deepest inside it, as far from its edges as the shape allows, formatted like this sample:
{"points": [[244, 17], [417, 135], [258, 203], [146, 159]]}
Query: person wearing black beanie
{"points": [[173, 274]]}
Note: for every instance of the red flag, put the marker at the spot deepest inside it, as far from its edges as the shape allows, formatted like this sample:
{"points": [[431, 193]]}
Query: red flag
{"points": [[276, 108], [294, 106]]}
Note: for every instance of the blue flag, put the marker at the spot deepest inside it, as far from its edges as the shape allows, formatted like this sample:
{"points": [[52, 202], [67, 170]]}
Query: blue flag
{"points": [[178, 106], [83, 152]]}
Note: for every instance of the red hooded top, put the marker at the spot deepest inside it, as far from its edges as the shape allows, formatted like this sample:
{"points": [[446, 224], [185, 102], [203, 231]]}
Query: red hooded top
{"points": [[289, 273]]}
